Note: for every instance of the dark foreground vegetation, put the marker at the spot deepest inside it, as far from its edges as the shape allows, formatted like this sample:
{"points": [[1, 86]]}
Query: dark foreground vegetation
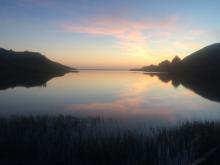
{"points": [[88, 141]]}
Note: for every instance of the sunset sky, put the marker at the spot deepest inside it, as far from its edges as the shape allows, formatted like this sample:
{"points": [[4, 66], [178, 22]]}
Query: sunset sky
{"points": [[109, 33]]}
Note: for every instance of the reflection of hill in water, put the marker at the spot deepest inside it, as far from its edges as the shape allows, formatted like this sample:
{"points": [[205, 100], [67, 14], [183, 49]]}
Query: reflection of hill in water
{"points": [[28, 69], [199, 71], [205, 86], [24, 81]]}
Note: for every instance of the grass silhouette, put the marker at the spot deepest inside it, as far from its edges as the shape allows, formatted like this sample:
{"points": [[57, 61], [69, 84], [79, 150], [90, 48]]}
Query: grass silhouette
{"points": [[72, 140]]}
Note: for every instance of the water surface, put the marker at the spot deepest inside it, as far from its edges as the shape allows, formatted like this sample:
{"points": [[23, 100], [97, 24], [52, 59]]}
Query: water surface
{"points": [[131, 97]]}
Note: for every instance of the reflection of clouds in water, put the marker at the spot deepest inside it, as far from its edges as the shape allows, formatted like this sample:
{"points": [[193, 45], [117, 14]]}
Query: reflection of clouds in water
{"points": [[132, 102], [144, 85], [141, 85], [146, 99], [129, 96], [123, 108]]}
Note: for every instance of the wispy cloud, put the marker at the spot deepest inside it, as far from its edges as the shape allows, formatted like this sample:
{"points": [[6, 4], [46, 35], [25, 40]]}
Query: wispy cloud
{"points": [[116, 27], [129, 34], [135, 37]]}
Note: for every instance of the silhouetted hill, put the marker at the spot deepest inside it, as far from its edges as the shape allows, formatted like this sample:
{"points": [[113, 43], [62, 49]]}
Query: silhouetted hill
{"points": [[164, 66], [29, 63], [204, 62], [199, 71]]}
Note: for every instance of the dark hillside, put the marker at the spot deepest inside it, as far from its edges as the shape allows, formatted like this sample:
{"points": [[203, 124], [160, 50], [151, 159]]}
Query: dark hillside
{"points": [[29, 63]]}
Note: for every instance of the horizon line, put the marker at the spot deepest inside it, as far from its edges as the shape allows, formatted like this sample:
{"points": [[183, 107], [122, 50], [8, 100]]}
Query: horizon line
{"points": [[103, 69]]}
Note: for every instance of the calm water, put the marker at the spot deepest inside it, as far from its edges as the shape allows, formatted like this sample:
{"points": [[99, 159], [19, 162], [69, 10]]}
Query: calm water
{"points": [[132, 97]]}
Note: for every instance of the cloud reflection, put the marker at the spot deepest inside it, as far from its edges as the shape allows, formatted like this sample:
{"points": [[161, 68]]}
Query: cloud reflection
{"points": [[145, 99]]}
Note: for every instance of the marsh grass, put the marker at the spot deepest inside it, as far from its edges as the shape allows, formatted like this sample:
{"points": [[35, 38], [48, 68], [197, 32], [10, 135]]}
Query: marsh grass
{"points": [[88, 141]]}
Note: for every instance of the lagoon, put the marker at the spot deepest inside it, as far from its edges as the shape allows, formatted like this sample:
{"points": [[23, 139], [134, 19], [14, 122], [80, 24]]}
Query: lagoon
{"points": [[132, 98]]}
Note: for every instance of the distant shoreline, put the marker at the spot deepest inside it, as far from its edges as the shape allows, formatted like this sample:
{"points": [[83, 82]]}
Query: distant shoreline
{"points": [[105, 69]]}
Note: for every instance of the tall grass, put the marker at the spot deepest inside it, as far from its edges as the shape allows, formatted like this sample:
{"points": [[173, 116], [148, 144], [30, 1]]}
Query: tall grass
{"points": [[94, 141]]}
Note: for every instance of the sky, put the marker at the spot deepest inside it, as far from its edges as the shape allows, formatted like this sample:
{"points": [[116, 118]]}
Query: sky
{"points": [[111, 34]]}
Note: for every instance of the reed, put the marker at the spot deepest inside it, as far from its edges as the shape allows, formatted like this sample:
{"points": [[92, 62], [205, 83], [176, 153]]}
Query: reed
{"points": [[88, 141]]}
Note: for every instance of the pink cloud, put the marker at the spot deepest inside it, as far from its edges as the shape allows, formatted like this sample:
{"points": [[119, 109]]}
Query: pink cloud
{"points": [[142, 38], [129, 33], [119, 28]]}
